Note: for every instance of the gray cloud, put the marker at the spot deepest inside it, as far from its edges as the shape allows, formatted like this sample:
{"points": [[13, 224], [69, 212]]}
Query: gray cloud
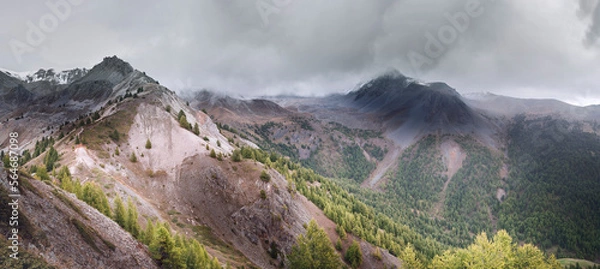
{"points": [[536, 48], [591, 8]]}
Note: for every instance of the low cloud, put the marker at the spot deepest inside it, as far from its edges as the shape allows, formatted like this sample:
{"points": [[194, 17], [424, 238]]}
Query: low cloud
{"points": [[318, 47]]}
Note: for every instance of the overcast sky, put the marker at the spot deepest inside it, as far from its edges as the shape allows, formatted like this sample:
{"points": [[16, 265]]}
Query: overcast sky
{"points": [[532, 48]]}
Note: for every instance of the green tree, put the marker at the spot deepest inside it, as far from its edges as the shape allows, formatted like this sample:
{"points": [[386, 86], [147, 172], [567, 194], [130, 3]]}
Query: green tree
{"points": [[94, 196], [236, 156], [114, 136], [183, 122], [50, 158], [500, 252], [196, 129], [133, 158], [148, 144], [314, 251], [6, 161], [131, 220], [341, 231], [119, 212], [149, 233], [264, 176], [117, 151], [213, 154], [354, 255], [164, 251], [409, 258], [42, 173], [263, 194], [64, 176]]}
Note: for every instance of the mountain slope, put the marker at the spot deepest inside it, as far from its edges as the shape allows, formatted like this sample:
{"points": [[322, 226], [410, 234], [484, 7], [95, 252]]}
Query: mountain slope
{"points": [[447, 161], [66, 232], [141, 142], [408, 162]]}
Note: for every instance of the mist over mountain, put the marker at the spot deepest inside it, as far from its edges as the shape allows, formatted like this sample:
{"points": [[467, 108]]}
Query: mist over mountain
{"points": [[123, 166]]}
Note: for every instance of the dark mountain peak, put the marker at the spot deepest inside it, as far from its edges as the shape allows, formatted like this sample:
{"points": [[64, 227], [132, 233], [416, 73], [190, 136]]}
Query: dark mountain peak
{"points": [[116, 64], [388, 82], [402, 101], [443, 88], [112, 70]]}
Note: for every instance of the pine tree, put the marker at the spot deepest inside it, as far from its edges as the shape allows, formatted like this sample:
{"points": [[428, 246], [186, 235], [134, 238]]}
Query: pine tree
{"points": [[213, 154], [94, 196], [341, 231], [117, 151], [149, 234], [236, 156], [77, 189], [354, 255], [377, 254], [264, 176], [148, 144], [164, 251], [6, 161], [183, 122], [119, 215], [131, 220], [114, 135], [77, 142], [133, 158], [196, 129], [409, 258], [314, 250], [500, 252], [64, 173], [66, 183], [42, 173], [50, 158]]}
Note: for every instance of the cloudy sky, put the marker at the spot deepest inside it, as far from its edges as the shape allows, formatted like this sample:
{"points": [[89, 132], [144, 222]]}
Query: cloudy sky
{"points": [[532, 48]]}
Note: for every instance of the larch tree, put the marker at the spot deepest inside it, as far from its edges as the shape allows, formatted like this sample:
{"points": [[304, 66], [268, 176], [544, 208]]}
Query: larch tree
{"points": [[314, 250]]}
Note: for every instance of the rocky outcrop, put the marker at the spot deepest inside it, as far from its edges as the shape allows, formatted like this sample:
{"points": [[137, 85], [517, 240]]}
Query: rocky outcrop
{"points": [[67, 233], [229, 200]]}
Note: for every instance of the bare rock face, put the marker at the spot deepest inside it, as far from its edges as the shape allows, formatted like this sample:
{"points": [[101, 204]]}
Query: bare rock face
{"points": [[67, 233], [229, 201]]}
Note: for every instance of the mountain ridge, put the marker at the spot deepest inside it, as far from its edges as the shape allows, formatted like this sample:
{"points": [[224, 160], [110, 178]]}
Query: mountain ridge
{"points": [[391, 139]]}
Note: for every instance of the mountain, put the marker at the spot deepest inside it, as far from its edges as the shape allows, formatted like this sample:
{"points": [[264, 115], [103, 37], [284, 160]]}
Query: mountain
{"points": [[62, 77], [433, 159], [68, 231], [226, 106], [115, 135], [119, 171], [509, 107]]}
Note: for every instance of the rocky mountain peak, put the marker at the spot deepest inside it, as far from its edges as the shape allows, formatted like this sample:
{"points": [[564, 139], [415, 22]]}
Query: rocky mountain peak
{"points": [[60, 77], [116, 64], [111, 69]]}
